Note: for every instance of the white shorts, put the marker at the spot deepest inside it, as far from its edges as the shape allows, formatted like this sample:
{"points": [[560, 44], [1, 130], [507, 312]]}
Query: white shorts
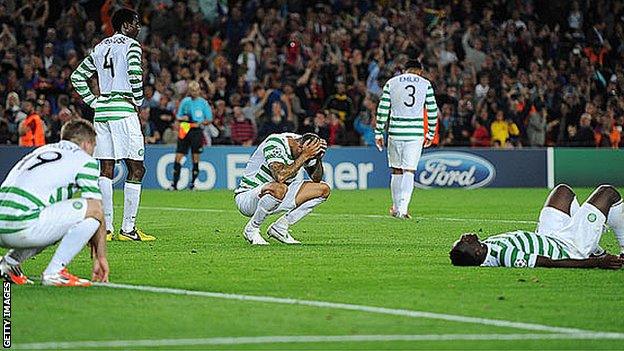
{"points": [[580, 233], [53, 223], [119, 139], [247, 202], [404, 154]]}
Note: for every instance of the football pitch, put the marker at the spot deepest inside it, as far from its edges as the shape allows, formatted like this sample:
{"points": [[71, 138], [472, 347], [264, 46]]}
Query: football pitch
{"points": [[361, 280]]}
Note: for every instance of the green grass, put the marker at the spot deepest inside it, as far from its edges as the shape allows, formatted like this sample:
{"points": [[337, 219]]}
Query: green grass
{"points": [[346, 257]]}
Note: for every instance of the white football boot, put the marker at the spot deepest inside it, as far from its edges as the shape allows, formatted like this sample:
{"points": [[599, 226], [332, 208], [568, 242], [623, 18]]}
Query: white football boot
{"points": [[279, 231], [252, 235]]}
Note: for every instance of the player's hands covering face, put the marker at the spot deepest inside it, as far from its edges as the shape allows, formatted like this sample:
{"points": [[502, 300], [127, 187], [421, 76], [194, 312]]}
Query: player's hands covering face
{"points": [[311, 148]]}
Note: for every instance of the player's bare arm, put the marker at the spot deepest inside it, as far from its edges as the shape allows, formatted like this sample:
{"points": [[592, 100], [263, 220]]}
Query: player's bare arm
{"points": [[98, 242], [281, 172], [605, 262], [316, 172]]}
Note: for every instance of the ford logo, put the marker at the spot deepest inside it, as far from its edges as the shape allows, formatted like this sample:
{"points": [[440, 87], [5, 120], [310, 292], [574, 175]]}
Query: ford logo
{"points": [[454, 170]]}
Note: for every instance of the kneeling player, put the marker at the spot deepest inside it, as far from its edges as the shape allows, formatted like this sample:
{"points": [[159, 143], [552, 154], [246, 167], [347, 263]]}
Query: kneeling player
{"points": [[267, 186], [38, 208], [567, 235]]}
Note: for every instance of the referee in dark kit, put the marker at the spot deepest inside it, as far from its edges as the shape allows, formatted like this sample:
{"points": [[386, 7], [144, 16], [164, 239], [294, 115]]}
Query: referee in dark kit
{"points": [[194, 113]]}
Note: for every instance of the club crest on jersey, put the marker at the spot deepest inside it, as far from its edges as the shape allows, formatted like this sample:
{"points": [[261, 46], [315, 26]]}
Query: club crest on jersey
{"points": [[77, 205], [591, 217], [454, 170], [275, 153]]}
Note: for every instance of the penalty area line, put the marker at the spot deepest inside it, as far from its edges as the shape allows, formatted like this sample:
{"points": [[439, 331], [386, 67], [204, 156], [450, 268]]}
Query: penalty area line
{"points": [[451, 219], [308, 339], [350, 307]]}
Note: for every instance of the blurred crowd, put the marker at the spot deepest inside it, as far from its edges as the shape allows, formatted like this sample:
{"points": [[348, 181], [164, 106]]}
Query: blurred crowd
{"points": [[507, 73]]}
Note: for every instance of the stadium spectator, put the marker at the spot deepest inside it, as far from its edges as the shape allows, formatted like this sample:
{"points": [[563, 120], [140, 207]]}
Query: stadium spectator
{"points": [[536, 129], [481, 136], [499, 129], [363, 123], [31, 129], [584, 135], [336, 129], [243, 129], [560, 59]]}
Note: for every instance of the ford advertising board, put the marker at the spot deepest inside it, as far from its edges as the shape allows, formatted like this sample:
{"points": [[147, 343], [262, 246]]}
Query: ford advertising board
{"points": [[454, 170]]}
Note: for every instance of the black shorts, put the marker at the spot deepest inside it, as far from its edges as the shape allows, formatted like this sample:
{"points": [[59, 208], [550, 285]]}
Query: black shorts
{"points": [[193, 140]]}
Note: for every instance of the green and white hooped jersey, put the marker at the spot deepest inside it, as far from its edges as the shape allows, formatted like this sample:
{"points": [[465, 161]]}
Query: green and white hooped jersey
{"points": [[402, 105], [273, 149], [49, 174], [117, 62], [521, 248]]}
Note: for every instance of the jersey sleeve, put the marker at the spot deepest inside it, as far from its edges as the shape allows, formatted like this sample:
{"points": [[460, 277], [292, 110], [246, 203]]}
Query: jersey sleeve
{"points": [[275, 151], [135, 72], [87, 180], [432, 112], [80, 77], [207, 112], [383, 111]]}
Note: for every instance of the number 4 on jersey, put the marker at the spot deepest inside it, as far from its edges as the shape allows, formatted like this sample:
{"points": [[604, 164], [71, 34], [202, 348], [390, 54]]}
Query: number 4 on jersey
{"points": [[108, 63]]}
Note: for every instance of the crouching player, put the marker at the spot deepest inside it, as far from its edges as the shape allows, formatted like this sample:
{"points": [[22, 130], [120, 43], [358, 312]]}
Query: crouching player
{"points": [[38, 208], [268, 184], [567, 235]]}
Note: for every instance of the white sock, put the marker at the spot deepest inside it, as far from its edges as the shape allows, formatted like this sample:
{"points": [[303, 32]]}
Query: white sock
{"points": [[266, 206], [395, 188], [615, 220], [407, 186], [73, 241], [132, 196], [106, 187], [293, 216]]}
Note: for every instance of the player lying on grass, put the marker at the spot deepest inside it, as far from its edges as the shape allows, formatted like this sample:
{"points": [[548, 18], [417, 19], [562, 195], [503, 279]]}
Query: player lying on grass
{"points": [[38, 207], [268, 184], [567, 235]]}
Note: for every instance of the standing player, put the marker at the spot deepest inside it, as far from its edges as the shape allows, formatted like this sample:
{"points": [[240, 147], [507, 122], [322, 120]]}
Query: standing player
{"points": [[194, 112], [567, 235], [268, 184], [403, 104], [117, 61], [38, 207]]}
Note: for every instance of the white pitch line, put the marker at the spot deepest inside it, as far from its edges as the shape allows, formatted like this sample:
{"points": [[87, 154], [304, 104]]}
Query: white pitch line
{"points": [[350, 307], [452, 219], [306, 339]]}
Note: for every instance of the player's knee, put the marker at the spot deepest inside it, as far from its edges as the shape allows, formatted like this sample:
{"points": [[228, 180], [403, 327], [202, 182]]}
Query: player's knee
{"points": [[277, 190], [107, 169], [137, 172], [397, 171], [609, 191], [564, 190], [324, 190], [94, 210]]}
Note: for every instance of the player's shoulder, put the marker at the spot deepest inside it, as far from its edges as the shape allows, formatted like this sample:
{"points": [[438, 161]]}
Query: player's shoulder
{"points": [[70, 152], [280, 139], [131, 42], [185, 100], [490, 258]]}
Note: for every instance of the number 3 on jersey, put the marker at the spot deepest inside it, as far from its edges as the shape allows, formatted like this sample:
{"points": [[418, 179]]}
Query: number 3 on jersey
{"points": [[108, 63], [411, 95]]}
